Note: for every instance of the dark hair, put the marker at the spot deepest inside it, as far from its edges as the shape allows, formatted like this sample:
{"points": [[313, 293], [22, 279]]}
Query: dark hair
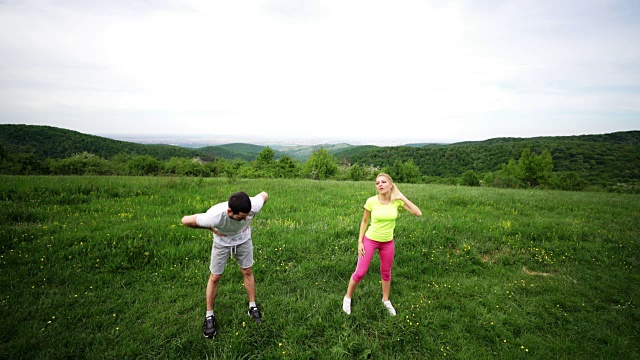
{"points": [[239, 202]]}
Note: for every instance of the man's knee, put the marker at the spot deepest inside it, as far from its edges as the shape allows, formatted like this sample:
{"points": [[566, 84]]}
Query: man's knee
{"points": [[247, 271], [214, 279]]}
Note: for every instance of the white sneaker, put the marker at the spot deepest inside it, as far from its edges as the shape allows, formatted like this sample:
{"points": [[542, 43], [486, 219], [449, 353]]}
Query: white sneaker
{"points": [[389, 307], [346, 305]]}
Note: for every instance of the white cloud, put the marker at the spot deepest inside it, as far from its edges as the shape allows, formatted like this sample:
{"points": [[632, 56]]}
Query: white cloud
{"points": [[355, 70]]}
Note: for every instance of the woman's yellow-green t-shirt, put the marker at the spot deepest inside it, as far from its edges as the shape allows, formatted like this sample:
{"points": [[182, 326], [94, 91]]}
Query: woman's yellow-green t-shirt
{"points": [[383, 218]]}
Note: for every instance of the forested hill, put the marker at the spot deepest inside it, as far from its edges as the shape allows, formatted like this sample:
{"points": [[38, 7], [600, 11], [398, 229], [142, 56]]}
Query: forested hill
{"points": [[51, 142], [247, 152], [615, 155], [303, 152], [229, 153], [56, 143], [611, 158]]}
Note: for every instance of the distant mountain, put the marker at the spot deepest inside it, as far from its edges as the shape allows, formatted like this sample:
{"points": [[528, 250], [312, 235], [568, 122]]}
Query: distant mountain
{"points": [[353, 151], [57, 143], [249, 151], [303, 152], [427, 144], [51, 142], [217, 151], [620, 138]]}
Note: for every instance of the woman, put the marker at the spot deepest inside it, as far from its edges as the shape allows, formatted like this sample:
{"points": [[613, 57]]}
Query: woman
{"points": [[383, 211]]}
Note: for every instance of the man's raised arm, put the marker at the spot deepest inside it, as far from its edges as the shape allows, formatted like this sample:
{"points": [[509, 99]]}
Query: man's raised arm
{"points": [[265, 197]]}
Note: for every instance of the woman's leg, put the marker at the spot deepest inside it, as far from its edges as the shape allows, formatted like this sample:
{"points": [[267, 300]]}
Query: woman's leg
{"points": [[387, 253], [361, 271], [363, 264]]}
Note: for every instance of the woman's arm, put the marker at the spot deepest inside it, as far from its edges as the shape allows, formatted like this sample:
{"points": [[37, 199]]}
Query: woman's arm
{"points": [[408, 205], [411, 207], [363, 229]]}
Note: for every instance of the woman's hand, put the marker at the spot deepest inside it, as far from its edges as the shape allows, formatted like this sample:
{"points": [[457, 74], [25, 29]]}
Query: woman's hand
{"points": [[398, 195], [360, 249]]}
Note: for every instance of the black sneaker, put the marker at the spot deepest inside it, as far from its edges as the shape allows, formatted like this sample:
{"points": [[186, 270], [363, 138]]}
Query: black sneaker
{"points": [[209, 327], [255, 314]]}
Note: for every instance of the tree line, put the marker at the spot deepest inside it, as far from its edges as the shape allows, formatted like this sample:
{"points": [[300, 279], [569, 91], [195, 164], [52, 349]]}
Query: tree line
{"points": [[530, 170], [609, 162]]}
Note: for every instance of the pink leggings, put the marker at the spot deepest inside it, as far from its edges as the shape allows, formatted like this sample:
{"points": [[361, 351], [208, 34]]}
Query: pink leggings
{"points": [[386, 259]]}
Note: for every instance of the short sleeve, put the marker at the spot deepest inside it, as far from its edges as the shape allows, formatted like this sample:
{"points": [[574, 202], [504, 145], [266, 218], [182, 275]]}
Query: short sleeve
{"points": [[212, 216], [257, 202], [368, 205]]}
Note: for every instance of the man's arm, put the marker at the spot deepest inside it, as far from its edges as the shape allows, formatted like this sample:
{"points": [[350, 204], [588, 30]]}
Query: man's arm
{"points": [[265, 197], [190, 221]]}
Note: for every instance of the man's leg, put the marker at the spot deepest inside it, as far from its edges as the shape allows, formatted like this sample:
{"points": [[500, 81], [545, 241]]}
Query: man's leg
{"points": [[209, 327], [212, 290], [219, 255], [244, 256], [249, 283], [250, 286]]}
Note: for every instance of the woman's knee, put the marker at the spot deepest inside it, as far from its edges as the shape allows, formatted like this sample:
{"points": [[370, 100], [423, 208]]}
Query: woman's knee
{"points": [[356, 276], [386, 275]]}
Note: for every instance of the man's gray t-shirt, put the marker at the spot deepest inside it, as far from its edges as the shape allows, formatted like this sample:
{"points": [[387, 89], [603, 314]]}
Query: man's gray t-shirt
{"points": [[236, 231]]}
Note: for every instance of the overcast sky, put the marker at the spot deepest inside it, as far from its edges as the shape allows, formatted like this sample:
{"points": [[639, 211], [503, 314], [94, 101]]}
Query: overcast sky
{"points": [[362, 71]]}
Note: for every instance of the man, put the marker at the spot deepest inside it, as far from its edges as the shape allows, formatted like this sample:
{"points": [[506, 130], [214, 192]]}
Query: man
{"points": [[231, 225]]}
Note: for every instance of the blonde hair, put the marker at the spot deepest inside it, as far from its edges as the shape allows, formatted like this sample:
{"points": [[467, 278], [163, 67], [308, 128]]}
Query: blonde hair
{"points": [[394, 191]]}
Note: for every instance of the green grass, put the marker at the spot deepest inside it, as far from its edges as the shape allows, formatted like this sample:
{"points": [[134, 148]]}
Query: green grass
{"points": [[100, 267]]}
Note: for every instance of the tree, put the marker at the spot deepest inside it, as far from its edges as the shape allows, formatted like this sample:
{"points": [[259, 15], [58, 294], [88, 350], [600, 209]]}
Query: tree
{"points": [[356, 173], [395, 171], [232, 170], [407, 172], [265, 165], [216, 168], [184, 167], [25, 164], [570, 181], [83, 163], [410, 172], [321, 165], [509, 177], [470, 178], [266, 157], [535, 169], [4, 153], [144, 165], [286, 167]]}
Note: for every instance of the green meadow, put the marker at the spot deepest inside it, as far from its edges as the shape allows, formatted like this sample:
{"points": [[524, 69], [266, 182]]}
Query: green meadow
{"points": [[101, 267]]}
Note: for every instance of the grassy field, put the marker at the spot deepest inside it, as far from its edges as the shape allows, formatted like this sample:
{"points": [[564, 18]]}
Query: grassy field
{"points": [[100, 267]]}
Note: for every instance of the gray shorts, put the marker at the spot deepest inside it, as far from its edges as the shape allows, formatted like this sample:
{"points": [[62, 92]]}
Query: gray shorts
{"points": [[220, 254]]}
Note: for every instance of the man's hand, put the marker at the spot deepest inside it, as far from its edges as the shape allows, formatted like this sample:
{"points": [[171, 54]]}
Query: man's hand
{"points": [[217, 232]]}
